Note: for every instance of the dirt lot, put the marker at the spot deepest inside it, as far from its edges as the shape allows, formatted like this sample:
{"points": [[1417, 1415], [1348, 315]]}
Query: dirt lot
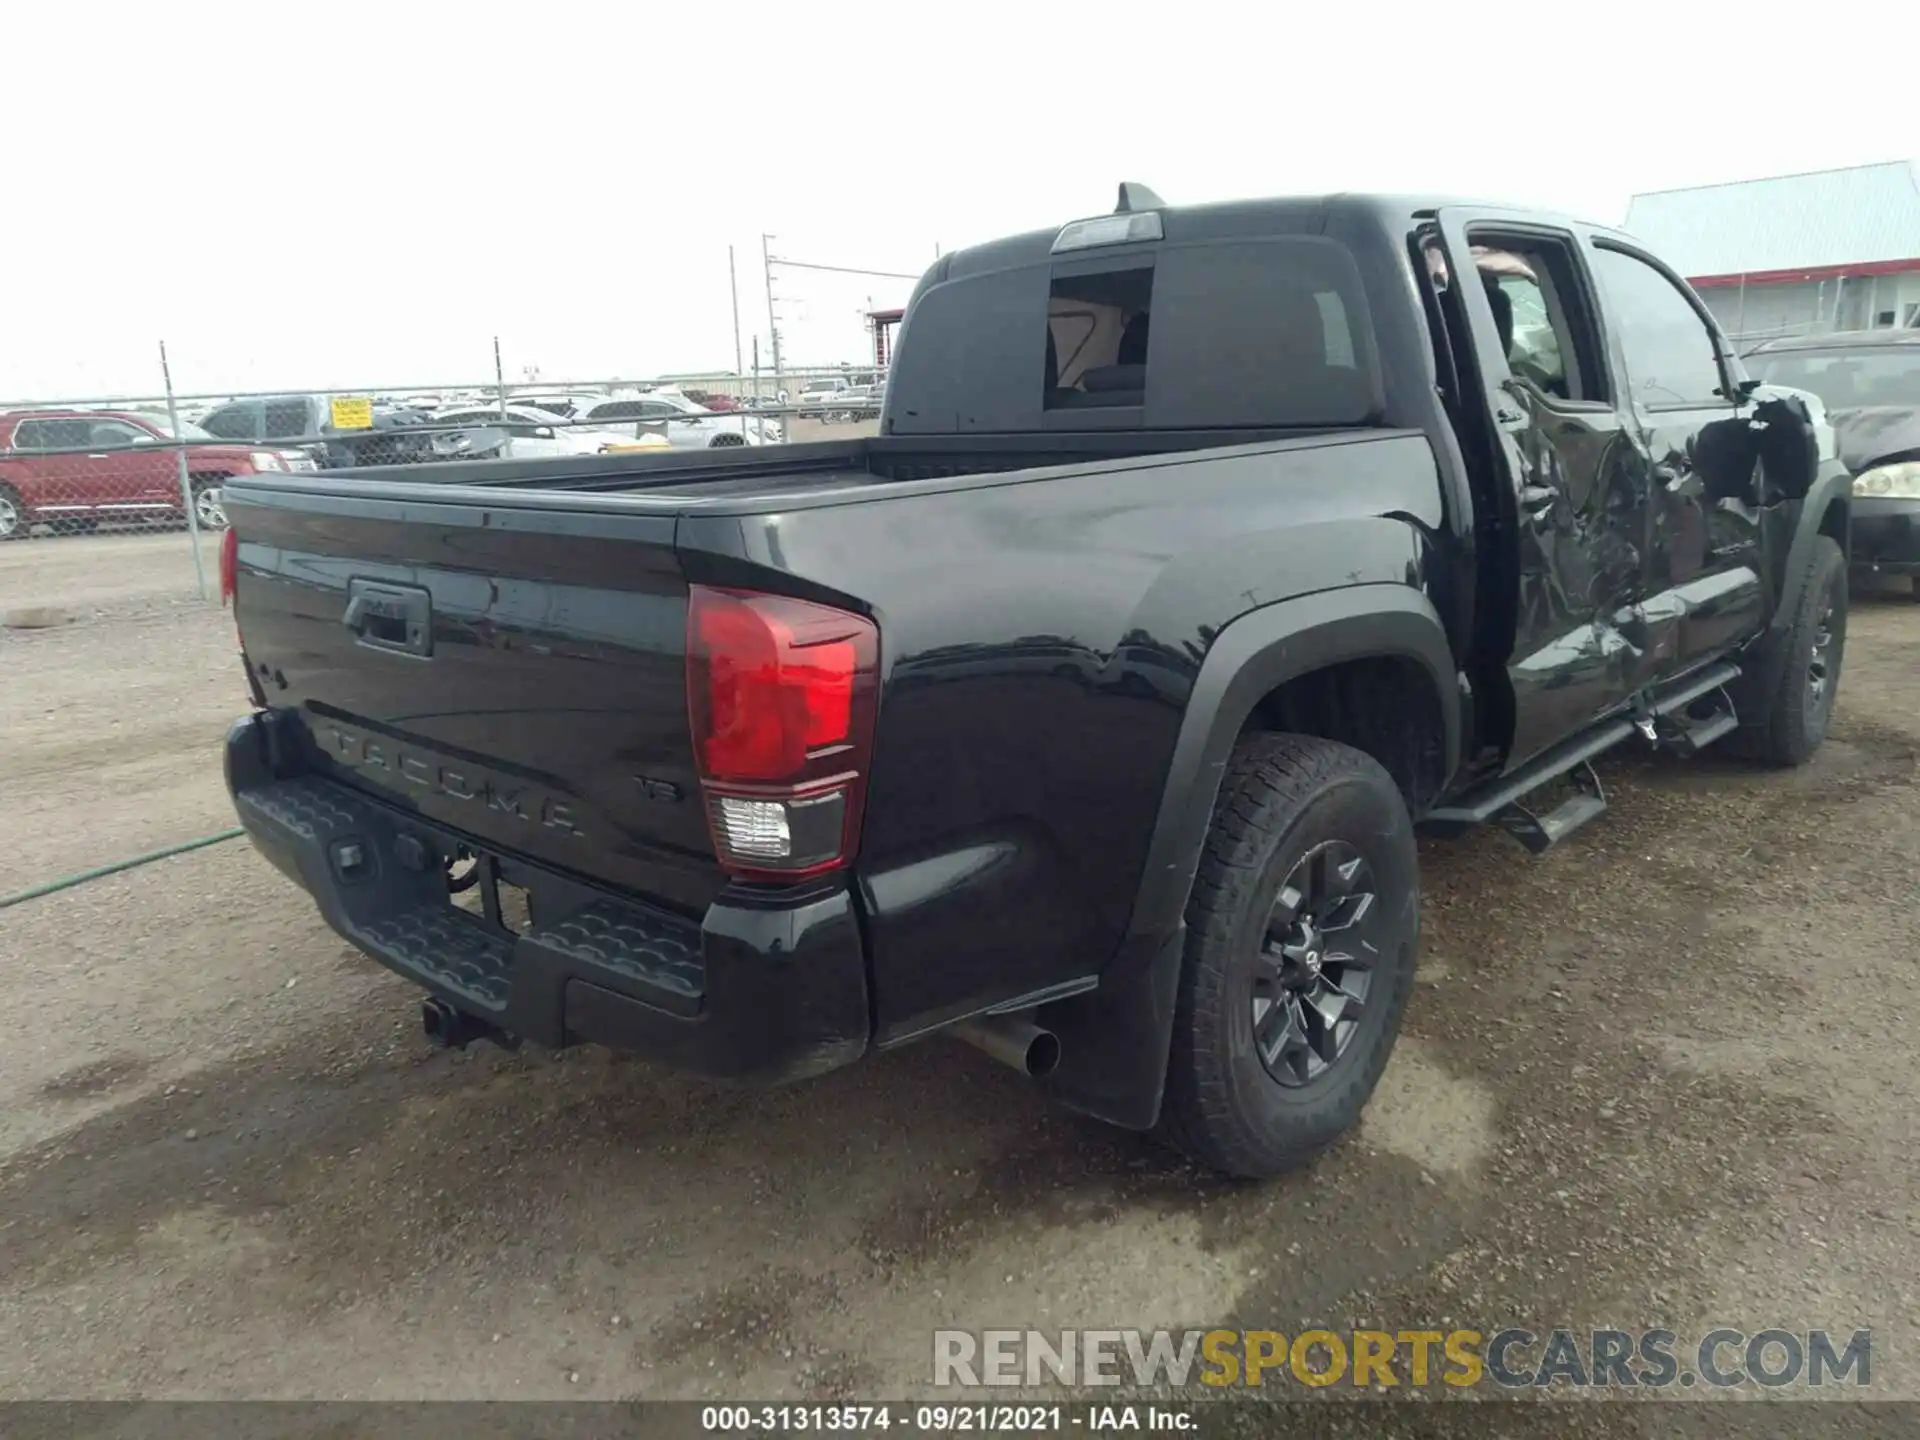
{"points": [[1667, 1074]]}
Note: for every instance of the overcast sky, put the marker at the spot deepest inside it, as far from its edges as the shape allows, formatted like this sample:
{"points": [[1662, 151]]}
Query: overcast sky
{"points": [[364, 195]]}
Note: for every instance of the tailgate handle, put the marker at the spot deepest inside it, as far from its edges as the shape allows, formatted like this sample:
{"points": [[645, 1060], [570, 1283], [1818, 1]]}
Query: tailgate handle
{"points": [[390, 617]]}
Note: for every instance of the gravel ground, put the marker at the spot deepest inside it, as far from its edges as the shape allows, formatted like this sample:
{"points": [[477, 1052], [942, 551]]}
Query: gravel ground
{"points": [[1663, 1075]]}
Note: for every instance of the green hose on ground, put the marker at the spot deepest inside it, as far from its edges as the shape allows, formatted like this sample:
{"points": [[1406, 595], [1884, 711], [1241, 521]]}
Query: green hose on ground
{"points": [[36, 891]]}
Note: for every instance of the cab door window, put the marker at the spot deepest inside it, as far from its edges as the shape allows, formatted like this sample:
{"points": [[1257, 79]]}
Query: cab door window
{"points": [[116, 435], [1672, 356], [1546, 339]]}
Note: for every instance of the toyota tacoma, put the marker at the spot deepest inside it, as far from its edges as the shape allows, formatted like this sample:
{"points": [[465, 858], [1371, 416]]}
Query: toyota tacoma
{"points": [[1086, 712]]}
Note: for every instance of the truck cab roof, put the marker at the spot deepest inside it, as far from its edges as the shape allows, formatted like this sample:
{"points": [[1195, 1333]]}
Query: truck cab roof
{"points": [[1282, 313], [1255, 217]]}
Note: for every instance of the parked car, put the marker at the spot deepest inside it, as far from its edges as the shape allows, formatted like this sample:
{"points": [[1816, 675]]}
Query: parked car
{"points": [[686, 425], [1869, 381], [399, 434], [536, 434], [822, 395], [569, 404], [73, 468], [855, 403], [1087, 711], [713, 400]]}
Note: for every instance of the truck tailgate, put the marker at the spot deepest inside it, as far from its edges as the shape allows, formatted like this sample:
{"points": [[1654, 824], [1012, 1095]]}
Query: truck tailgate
{"points": [[518, 677]]}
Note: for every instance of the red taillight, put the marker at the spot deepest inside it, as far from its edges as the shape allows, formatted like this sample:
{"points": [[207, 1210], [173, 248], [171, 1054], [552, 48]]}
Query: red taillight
{"points": [[229, 565], [781, 694]]}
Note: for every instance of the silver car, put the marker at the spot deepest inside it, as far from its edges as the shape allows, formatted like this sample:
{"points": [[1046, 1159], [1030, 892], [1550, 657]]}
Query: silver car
{"points": [[539, 434], [686, 425]]}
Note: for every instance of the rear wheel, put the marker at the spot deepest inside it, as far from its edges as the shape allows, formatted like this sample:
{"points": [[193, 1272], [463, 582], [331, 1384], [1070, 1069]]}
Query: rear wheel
{"points": [[1796, 716], [13, 515], [1302, 935]]}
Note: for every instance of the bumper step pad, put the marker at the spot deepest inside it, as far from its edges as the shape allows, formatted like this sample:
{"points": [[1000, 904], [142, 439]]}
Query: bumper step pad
{"points": [[353, 855]]}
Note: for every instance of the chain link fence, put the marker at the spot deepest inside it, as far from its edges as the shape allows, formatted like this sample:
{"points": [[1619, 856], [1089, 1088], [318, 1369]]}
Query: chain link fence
{"points": [[152, 464]]}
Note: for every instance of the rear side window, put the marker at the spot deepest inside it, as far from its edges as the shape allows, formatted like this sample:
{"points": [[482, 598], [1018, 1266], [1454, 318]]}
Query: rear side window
{"points": [[286, 419], [53, 435], [230, 422], [618, 410]]}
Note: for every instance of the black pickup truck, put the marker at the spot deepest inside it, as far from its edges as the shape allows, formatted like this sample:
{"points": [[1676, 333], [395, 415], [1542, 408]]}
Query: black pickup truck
{"points": [[1088, 710]]}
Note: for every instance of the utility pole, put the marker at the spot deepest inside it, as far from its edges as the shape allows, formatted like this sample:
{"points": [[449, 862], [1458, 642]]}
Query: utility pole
{"points": [[773, 323], [733, 281]]}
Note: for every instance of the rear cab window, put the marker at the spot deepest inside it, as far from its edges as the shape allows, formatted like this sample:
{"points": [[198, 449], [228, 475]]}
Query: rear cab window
{"points": [[1266, 331]]}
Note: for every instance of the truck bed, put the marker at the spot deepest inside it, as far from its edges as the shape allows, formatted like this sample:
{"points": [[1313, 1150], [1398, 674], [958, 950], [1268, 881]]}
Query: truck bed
{"points": [[788, 474]]}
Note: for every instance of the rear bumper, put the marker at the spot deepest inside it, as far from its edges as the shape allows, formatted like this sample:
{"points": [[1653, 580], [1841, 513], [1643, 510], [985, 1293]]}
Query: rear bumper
{"points": [[764, 991], [1886, 536]]}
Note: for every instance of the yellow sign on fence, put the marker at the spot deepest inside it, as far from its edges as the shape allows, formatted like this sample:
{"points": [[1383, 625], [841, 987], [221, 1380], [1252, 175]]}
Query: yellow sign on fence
{"points": [[352, 412]]}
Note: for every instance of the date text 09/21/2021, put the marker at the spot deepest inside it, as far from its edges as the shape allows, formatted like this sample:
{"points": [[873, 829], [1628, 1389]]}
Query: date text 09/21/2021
{"points": [[947, 1419]]}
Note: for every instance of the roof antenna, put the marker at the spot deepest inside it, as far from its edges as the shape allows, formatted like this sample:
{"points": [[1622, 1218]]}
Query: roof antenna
{"points": [[1135, 196]]}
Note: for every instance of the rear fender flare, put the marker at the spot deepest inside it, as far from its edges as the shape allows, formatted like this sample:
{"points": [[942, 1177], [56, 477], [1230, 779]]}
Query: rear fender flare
{"points": [[1114, 1039], [1251, 658]]}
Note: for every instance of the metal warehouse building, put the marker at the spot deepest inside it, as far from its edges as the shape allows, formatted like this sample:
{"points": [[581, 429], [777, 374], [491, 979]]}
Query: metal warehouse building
{"points": [[1796, 254]]}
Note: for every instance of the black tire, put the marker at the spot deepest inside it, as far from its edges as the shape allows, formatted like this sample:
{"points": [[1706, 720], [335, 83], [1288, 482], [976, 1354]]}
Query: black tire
{"points": [[15, 522], [1287, 801], [1790, 724]]}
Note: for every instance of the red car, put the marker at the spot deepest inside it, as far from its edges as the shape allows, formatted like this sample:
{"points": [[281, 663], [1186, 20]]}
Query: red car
{"points": [[73, 468]]}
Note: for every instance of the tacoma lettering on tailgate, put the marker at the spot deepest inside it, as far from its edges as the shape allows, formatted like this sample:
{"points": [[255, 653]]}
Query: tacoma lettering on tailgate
{"points": [[401, 765]]}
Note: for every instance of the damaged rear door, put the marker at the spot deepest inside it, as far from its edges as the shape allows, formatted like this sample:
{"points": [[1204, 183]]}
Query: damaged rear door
{"points": [[1573, 487]]}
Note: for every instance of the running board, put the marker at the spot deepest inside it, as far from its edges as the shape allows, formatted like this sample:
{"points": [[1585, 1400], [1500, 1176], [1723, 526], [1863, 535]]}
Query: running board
{"points": [[1669, 725], [1480, 806], [1499, 799], [1540, 833], [1694, 686]]}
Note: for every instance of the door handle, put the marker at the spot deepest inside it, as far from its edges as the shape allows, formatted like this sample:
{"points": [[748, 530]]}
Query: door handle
{"points": [[390, 617], [96, 457]]}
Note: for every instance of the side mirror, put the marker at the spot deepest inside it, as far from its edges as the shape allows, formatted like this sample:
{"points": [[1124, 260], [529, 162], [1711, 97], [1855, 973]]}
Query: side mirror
{"points": [[543, 432], [1789, 448]]}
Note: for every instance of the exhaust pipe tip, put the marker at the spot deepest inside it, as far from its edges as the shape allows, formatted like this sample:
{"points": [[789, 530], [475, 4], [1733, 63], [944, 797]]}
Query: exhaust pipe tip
{"points": [[1043, 1053], [1019, 1044]]}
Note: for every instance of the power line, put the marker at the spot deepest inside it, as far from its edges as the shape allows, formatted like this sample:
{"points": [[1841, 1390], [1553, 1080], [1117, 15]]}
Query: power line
{"points": [[840, 269]]}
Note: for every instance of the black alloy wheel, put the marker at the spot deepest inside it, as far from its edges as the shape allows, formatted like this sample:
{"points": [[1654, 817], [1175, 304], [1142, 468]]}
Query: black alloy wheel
{"points": [[1316, 964]]}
